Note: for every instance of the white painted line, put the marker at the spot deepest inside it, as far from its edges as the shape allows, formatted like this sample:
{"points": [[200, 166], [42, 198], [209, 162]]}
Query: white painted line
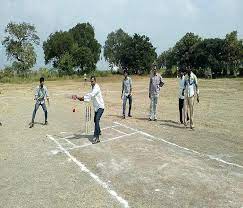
{"points": [[83, 168], [74, 145], [72, 135], [110, 127], [121, 132], [108, 140], [184, 148], [68, 137]]}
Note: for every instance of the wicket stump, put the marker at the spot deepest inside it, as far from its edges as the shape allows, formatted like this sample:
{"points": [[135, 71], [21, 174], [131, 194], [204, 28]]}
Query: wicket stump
{"points": [[88, 118]]}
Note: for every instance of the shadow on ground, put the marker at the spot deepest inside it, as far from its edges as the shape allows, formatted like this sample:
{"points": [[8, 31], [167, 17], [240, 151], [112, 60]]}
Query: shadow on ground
{"points": [[171, 123]]}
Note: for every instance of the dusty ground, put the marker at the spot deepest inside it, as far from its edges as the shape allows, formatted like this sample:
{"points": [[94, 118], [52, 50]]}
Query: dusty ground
{"points": [[138, 163]]}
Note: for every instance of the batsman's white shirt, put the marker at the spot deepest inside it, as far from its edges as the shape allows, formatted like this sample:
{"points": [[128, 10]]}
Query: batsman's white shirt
{"points": [[96, 96]]}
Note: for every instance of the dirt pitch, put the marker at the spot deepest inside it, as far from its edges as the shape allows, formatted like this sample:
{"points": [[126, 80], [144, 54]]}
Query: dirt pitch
{"points": [[138, 163]]}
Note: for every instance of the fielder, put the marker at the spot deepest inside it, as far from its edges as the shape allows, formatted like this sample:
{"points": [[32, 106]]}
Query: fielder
{"points": [[155, 83], [41, 94], [181, 83], [96, 96], [126, 94], [189, 91]]}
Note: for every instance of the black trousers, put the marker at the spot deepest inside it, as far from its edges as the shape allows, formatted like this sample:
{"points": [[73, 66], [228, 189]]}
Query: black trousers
{"points": [[181, 105], [97, 117], [129, 97]]}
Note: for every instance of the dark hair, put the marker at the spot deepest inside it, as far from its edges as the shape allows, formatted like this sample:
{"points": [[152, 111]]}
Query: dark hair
{"points": [[125, 71], [181, 70], [93, 77], [42, 79]]}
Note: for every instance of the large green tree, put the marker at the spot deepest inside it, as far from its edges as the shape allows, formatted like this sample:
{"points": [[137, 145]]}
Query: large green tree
{"points": [[183, 50], [19, 44], [138, 54], [76, 49], [209, 54], [166, 59], [233, 51], [114, 46], [56, 46]]}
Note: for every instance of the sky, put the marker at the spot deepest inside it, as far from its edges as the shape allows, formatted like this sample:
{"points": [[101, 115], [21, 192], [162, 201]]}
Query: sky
{"points": [[163, 21]]}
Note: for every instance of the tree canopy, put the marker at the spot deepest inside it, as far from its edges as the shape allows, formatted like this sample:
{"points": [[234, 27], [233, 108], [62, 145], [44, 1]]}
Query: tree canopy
{"points": [[76, 49], [135, 53], [222, 56], [19, 44]]}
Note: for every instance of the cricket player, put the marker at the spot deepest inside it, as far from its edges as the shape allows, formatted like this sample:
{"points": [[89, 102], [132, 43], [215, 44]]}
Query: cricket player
{"points": [[41, 94], [126, 93], [190, 91], [155, 83], [96, 96], [181, 83]]}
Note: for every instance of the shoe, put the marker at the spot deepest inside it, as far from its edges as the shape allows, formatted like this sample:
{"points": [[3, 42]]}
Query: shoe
{"points": [[95, 140], [129, 115], [123, 116], [46, 123], [155, 119], [31, 125]]}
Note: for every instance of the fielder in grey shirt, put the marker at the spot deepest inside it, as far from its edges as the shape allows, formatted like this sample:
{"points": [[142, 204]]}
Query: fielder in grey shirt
{"points": [[126, 94], [40, 95], [155, 83]]}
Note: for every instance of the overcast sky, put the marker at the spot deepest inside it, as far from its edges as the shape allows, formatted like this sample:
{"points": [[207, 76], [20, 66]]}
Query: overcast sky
{"points": [[163, 21]]}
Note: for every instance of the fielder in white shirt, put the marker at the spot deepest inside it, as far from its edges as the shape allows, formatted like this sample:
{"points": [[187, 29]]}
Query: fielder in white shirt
{"points": [[189, 91], [96, 96]]}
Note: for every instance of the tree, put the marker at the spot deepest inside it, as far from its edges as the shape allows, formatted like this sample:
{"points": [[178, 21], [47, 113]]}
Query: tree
{"points": [[84, 35], [138, 54], [166, 59], [66, 64], [183, 50], [209, 54], [233, 50], [114, 45], [19, 44], [56, 46], [76, 49], [83, 58]]}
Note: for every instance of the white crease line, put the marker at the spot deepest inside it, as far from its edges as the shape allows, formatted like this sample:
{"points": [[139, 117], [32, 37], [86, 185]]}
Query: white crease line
{"points": [[74, 145], [91, 174], [72, 135], [119, 131], [68, 137], [104, 141], [110, 127], [184, 148]]}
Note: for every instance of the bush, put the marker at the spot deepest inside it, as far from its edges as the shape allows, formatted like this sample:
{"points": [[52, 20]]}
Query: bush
{"points": [[8, 75]]}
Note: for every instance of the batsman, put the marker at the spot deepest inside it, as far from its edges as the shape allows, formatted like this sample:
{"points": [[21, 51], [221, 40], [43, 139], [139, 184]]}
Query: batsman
{"points": [[96, 96]]}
